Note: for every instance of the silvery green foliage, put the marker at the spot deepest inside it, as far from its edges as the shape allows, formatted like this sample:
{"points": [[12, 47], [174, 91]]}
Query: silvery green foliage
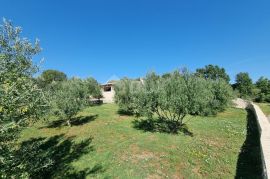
{"points": [[173, 96], [20, 97], [21, 101], [68, 98], [223, 95], [92, 88], [126, 91]]}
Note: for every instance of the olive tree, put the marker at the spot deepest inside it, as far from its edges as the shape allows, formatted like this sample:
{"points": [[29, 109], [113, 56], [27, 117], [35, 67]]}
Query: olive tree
{"points": [[21, 101], [174, 96], [69, 98], [92, 87], [125, 94]]}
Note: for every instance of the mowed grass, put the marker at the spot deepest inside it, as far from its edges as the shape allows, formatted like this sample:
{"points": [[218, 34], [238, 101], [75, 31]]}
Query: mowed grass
{"points": [[265, 108], [121, 151]]}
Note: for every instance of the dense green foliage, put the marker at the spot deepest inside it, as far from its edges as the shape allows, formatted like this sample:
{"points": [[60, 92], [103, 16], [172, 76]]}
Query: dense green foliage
{"points": [[24, 100], [125, 95], [213, 72], [174, 96], [263, 84], [70, 96], [244, 85], [21, 101], [49, 76], [92, 88]]}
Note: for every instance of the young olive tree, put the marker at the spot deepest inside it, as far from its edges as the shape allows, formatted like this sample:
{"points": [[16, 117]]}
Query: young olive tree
{"points": [[21, 101], [125, 94], [174, 97], [92, 88], [69, 98], [179, 94]]}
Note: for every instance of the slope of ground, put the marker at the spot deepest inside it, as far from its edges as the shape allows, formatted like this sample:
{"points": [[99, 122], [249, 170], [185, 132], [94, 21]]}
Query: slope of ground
{"points": [[104, 144]]}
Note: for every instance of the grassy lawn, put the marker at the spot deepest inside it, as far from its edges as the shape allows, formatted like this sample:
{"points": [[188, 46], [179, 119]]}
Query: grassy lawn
{"points": [[265, 108], [104, 144]]}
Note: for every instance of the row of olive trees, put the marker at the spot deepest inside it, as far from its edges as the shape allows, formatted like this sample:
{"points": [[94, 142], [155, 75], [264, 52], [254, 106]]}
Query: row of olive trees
{"points": [[25, 99], [173, 96], [68, 97]]}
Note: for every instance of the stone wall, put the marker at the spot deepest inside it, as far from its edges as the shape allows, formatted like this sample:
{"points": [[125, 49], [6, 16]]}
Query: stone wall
{"points": [[264, 129]]}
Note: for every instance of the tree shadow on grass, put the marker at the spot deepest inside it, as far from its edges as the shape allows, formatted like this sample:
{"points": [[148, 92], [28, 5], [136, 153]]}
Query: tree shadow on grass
{"points": [[124, 112], [76, 121], [249, 164], [160, 125], [52, 158]]}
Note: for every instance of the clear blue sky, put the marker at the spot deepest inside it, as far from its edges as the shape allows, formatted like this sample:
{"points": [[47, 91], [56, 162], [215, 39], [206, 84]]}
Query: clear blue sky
{"points": [[101, 38]]}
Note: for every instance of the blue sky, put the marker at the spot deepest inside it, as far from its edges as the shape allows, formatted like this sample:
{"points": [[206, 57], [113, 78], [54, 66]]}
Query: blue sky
{"points": [[101, 38]]}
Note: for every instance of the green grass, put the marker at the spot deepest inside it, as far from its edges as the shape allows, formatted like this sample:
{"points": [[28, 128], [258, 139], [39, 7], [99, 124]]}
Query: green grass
{"points": [[265, 108], [118, 150]]}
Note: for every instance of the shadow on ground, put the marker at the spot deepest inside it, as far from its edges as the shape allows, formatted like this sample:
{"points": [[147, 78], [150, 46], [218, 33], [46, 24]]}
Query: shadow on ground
{"points": [[76, 121], [52, 158], [160, 125], [124, 112], [249, 163]]}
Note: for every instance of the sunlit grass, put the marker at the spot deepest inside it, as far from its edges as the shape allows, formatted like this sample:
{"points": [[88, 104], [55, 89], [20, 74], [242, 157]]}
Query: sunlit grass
{"points": [[126, 152], [265, 108]]}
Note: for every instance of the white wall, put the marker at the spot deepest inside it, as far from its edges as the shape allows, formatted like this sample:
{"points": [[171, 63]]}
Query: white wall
{"points": [[108, 96]]}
